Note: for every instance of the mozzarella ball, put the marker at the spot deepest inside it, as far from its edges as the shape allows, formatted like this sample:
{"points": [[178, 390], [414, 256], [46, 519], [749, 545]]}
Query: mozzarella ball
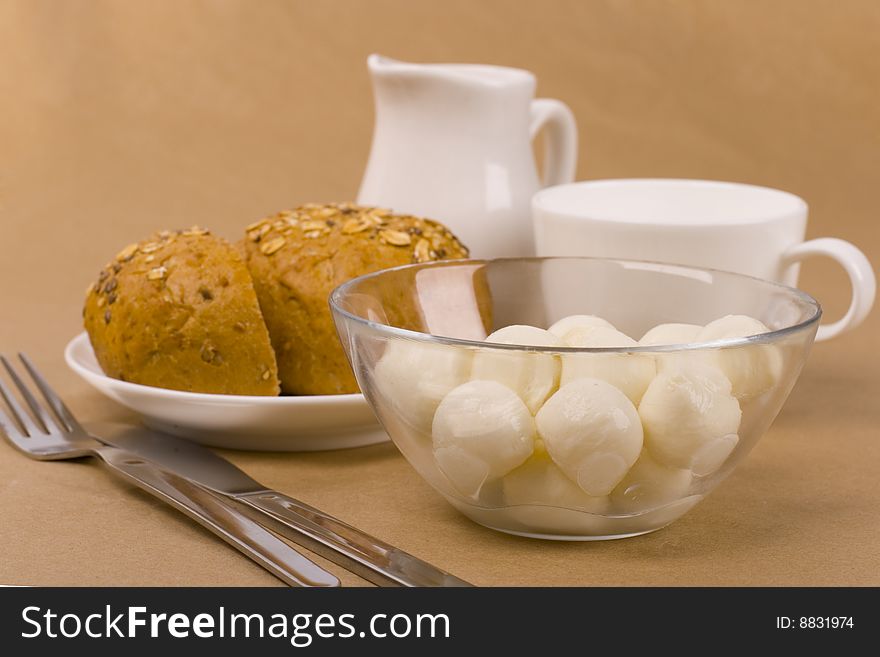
{"points": [[540, 481], [592, 432], [631, 373], [663, 334], [533, 376], [752, 369], [540, 498], [671, 334], [482, 430], [649, 485], [575, 328], [413, 377], [690, 418]]}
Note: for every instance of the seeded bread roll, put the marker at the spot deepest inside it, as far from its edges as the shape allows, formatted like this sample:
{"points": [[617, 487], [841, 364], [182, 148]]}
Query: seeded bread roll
{"points": [[179, 311], [297, 257]]}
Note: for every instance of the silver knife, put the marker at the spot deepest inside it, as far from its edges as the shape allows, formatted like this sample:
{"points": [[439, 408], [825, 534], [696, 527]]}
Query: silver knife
{"points": [[339, 542]]}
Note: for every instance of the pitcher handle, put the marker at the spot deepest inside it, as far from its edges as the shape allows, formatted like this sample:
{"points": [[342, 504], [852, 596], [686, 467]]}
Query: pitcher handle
{"points": [[560, 142]]}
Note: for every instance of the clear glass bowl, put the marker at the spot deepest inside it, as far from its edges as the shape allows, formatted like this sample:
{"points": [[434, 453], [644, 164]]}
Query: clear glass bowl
{"points": [[414, 334]]}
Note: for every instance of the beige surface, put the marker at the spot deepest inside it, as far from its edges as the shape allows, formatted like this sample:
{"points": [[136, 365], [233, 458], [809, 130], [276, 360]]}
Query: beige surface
{"points": [[117, 118]]}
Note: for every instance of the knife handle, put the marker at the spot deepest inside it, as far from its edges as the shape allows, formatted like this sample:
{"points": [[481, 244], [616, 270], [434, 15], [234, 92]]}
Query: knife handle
{"points": [[221, 518], [351, 548]]}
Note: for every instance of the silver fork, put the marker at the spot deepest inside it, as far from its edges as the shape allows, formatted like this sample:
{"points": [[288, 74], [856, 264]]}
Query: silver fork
{"points": [[54, 436]]}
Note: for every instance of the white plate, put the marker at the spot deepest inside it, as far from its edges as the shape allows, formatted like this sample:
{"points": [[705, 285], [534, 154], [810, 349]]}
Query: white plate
{"points": [[278, 424]]}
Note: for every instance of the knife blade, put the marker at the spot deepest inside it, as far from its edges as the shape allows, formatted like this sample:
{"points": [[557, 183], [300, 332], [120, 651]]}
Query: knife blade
{"points": [[339, 542], [192, 460]]}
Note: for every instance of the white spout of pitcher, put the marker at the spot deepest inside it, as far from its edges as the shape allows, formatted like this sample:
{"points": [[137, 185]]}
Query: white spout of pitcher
{"points": [[479, 74]]}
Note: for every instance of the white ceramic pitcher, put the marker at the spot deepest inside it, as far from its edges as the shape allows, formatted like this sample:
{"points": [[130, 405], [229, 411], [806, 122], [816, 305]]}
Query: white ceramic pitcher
{"points": [[452, 142]]}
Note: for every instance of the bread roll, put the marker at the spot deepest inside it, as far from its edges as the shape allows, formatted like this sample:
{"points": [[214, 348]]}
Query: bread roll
{"points": [[179, 311], [297, 257]]}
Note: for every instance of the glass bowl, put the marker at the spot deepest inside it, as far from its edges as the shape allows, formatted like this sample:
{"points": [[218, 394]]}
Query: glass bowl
{"points": [[610, 440]]}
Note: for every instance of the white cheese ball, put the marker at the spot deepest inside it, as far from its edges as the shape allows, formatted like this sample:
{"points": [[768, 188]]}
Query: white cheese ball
{"points": [[575, 328], [481, 431], [663, 334], [671, 334], [631, 373], [413, 378], [752, 369], [690, 418], [592, 432], [540, 481], [542, 499], [649, 485], [533, 376]]}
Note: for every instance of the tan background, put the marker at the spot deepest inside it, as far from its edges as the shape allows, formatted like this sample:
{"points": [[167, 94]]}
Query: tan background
{"points": [[117, 118]]}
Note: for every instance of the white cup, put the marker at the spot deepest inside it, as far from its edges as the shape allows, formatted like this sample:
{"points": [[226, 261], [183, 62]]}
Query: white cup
{"points": [[703, 223]]}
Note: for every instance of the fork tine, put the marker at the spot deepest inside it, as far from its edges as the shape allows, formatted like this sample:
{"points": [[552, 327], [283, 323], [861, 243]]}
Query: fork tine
{"points": [[7, 425], [19, 415], [38, 410], [63, 413]]}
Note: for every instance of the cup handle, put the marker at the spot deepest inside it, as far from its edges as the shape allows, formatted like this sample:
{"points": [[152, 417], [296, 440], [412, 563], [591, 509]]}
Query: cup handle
{"points": [[861, 276], [561, 141]]}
